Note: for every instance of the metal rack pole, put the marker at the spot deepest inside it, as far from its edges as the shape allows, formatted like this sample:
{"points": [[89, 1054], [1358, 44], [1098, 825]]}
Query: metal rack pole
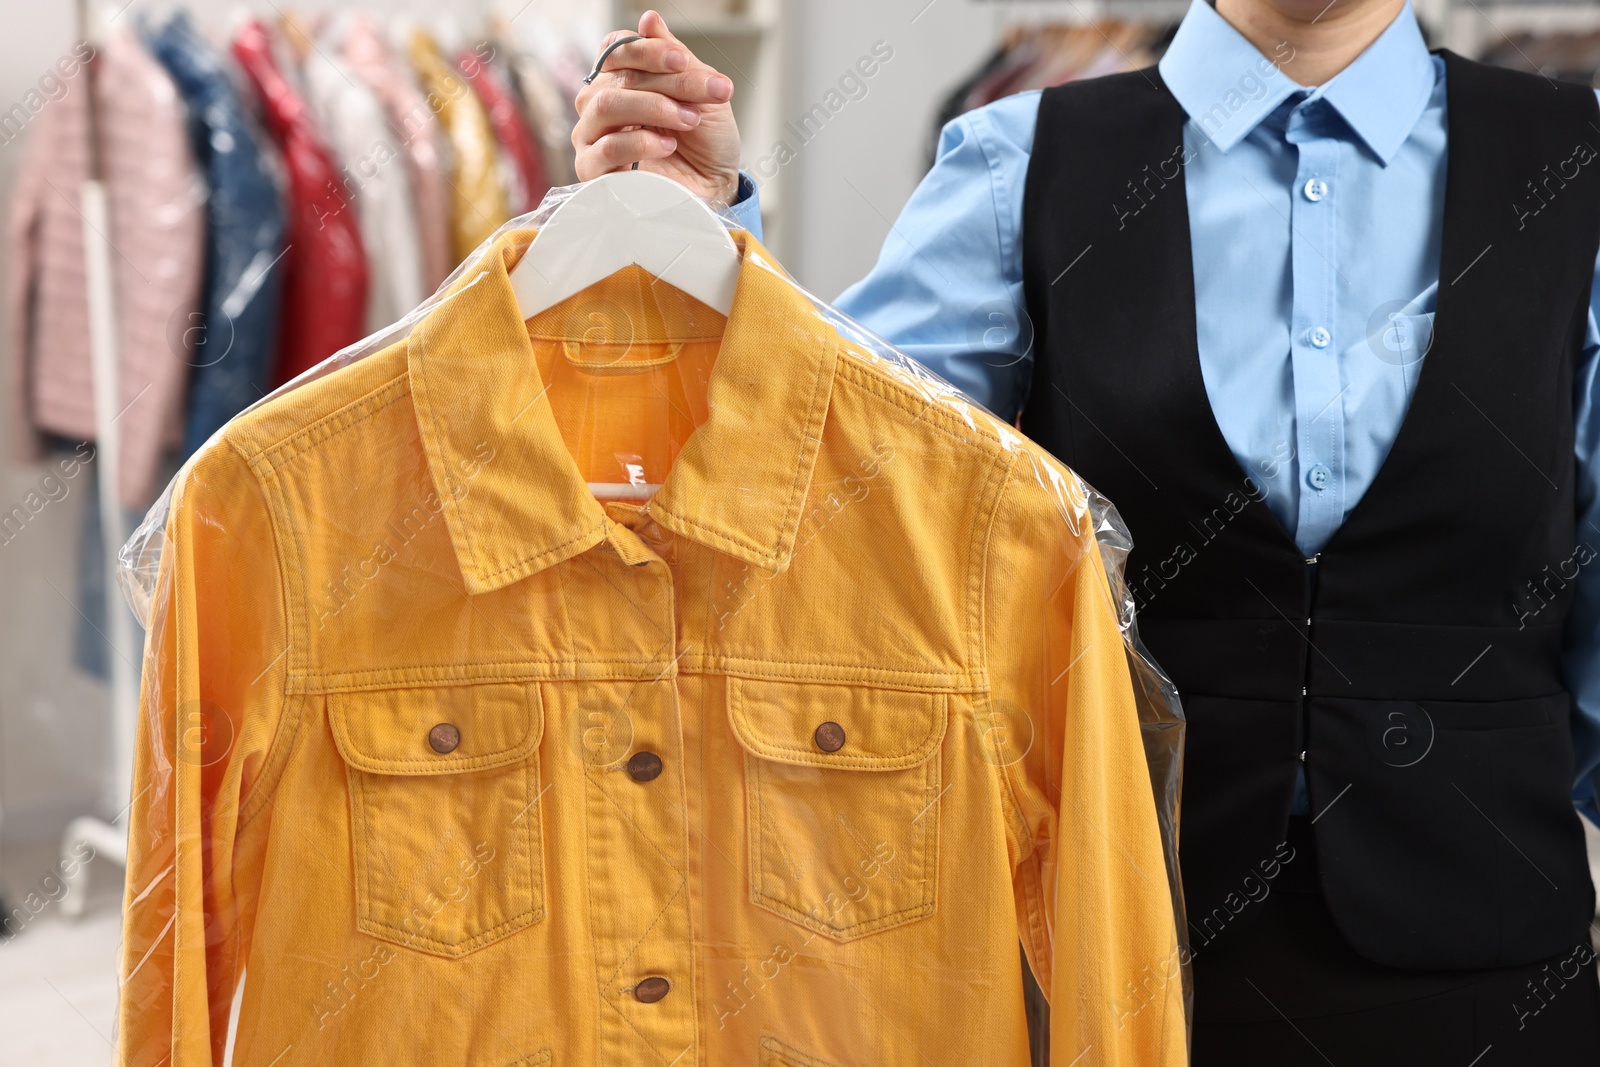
{"points": [[109, 840]]}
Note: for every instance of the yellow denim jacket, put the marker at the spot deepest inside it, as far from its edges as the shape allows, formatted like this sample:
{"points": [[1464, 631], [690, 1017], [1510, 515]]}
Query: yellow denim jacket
{"points": [[454, 763]]}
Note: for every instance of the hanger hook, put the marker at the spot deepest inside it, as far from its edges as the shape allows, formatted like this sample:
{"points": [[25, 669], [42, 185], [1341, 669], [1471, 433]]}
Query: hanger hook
{"points": [[601, 62]]}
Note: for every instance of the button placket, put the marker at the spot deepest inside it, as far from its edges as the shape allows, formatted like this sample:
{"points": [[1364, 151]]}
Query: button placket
{"points": [[644, 766], [636, 869], [1315, 354]]}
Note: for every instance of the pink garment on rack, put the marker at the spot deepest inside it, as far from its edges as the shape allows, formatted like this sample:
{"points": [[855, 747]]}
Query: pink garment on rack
{"points": [[156, 200], [417, 136], [324, 266], [510, 131]]}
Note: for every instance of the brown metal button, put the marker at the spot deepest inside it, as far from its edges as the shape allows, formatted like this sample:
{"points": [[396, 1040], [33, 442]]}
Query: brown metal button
{"points": [[644, 766], [651, 989], [830, 737], [444, 738]]}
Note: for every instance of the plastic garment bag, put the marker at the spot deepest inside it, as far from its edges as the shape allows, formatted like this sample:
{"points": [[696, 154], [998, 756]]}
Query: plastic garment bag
{"points": [[450, 760], [324, 270]]}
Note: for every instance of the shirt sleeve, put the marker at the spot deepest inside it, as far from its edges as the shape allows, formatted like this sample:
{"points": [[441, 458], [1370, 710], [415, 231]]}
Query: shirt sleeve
{"points": [[947, 287], [210, 705], [746, 206], [1061, 728], [1582, 652]]}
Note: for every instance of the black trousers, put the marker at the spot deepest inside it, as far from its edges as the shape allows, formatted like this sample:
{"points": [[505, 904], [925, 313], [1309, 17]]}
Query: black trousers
{"points": [[1285, 989]]}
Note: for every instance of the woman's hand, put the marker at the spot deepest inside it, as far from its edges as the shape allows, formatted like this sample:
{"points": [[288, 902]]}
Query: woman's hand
{"points": [[656, 104]]}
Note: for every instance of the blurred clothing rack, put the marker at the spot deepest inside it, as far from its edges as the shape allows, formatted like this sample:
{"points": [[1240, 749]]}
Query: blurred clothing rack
{"points": [[545, 42], [1560, 40]]}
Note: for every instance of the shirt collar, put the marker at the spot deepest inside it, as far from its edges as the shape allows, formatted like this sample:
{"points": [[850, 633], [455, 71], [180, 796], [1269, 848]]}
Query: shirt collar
{"points": [[511, 494], [1385, 91], [1227, 86]]}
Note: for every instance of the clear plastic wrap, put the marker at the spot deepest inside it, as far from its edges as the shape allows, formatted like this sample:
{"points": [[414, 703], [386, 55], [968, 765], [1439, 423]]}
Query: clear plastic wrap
{"points": [[770, 752]]}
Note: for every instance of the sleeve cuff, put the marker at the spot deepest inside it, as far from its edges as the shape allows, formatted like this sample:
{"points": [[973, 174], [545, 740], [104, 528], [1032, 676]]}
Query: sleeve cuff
{"points": [[746, 206]]}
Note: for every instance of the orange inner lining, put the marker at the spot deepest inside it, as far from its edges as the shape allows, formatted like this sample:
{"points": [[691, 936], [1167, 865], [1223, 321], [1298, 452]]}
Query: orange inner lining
{"points": [[625, 364]]}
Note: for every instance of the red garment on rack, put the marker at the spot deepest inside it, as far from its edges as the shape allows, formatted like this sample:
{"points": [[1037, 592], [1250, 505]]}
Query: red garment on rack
{"points": [[324, 267], [511, 131]]}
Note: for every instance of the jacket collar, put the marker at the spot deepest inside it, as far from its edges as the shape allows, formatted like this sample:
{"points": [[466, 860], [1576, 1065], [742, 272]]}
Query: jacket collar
{"points": [[513, 498]]}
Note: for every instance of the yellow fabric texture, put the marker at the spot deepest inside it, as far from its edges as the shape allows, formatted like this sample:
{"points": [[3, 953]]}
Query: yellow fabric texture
{"points": [[411, 543], [478, 203]]}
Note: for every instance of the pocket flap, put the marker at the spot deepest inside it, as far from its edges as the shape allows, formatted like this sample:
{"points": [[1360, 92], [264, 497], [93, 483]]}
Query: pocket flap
{"points": [[386, 731], [884, 729]]}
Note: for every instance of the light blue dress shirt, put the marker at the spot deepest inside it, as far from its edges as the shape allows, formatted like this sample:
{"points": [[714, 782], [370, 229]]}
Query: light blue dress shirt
{"points": [[1315, 217]]}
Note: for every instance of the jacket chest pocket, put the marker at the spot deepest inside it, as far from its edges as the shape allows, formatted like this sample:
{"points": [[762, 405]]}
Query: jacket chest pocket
{"points": [[841, 793], [444, 784]]}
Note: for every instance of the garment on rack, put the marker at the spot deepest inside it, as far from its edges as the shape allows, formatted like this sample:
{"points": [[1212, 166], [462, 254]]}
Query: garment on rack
{"points": [[1037, 56], [372, 181], [551, 115], [1569, 56], [519, 152], [415, 130], [954, 104], [235, 326], [778, 767], [478, 203], [324, 268], [155, 199]]}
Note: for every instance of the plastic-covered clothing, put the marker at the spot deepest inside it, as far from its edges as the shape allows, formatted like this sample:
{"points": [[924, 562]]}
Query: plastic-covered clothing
{"points": [[551, 114], [372, 176], [156, 202], [236, 323], [529, 182], [636, 684], [324, 266], [415, 132], [478, 205]]}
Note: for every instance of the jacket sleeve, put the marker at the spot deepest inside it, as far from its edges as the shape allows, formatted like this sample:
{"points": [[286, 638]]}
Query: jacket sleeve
{"points": [[210, 706], [1062, 730]]}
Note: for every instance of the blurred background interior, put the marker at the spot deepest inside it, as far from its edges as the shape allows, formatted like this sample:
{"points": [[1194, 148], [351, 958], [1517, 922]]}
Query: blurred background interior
{"points": [[212, 119]]}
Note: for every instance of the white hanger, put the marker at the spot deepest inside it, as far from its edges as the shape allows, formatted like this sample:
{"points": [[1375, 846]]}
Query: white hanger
{"points": [[621, 219], [618, 220]]}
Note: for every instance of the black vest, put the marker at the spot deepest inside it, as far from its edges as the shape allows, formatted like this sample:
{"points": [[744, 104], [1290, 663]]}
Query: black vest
{"points": [[1414, 663]]}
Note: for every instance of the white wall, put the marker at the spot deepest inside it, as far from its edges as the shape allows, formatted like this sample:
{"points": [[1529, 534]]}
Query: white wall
{"points": [[848, 183]]}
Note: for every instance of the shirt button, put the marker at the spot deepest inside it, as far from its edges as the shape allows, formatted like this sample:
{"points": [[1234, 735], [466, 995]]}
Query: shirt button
{"points": [[1319, 476], [651, 989], [1319, 337], [1316, 189], [830, 737], [444, 738], [644, 766]]}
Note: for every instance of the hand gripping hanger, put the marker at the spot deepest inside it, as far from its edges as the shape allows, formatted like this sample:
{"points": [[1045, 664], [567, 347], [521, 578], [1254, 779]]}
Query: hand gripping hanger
{"points": [[624, 219]]}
